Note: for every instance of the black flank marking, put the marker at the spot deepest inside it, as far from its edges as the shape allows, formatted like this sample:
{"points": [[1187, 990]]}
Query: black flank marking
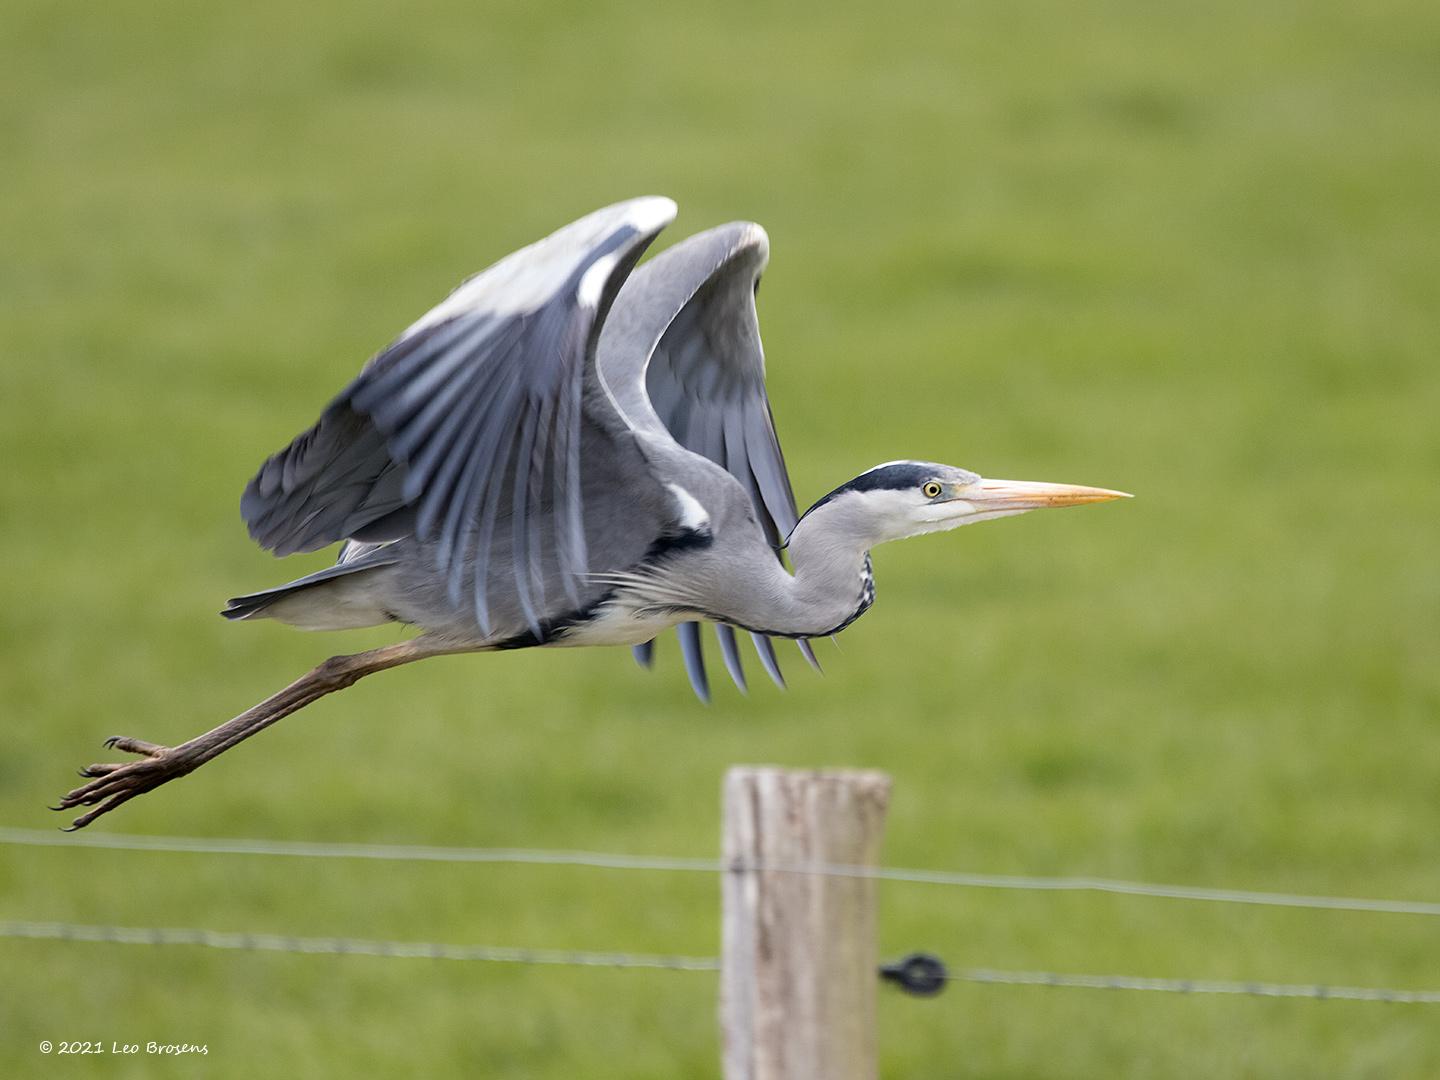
{"points": [[669, 545], [550, 629], [664, 548]]}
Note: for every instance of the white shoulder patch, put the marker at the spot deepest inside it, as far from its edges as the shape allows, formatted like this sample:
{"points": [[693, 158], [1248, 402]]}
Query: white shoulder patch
{"points": [[649, 213], [528, 279], [592, 282], [693, 517]]}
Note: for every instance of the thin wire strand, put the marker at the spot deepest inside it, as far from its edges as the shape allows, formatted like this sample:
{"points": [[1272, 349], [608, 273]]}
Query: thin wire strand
{"points": [[323, 850], [218, 939], [425, 950], [610, 861], [1199, 986]]}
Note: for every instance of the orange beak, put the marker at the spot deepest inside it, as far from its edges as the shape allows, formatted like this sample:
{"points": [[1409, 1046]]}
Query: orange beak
{"points": [[1032, 495]]}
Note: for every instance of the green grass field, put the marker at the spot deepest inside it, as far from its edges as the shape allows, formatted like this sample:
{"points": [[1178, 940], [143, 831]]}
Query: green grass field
{"points": [[1188, 253]]}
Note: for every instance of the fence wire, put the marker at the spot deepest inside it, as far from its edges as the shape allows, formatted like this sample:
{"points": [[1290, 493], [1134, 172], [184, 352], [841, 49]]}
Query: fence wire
{"points": [[613, 861], [286, 943], [1316, 992], [424, 950]]}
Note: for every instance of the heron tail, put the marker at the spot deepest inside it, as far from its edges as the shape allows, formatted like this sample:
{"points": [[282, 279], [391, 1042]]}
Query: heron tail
{"points": [[342, 597]]}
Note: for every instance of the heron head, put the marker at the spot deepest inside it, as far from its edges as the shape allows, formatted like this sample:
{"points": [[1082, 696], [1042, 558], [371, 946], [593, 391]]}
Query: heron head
{"points": [[910, 498]]}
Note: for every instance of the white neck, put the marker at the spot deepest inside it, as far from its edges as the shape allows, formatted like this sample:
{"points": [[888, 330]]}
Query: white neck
{"points": [[831, 584]]}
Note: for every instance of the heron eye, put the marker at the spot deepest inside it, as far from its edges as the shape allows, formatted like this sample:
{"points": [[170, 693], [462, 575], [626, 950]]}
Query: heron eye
{"points": [[931, 489]]}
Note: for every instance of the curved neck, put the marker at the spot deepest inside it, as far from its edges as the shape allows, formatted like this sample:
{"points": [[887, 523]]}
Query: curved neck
{"points": [[831, 585]]}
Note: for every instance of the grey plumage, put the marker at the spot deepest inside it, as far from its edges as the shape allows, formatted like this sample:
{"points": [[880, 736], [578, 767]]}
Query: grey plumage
{"points": [[487, 450], [472, 416], [567, 452], [692, 310], [563, 452]]}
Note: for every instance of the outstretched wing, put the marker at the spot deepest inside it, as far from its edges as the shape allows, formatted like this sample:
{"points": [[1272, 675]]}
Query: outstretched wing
{"points": [[471, 417], [706, 382]]}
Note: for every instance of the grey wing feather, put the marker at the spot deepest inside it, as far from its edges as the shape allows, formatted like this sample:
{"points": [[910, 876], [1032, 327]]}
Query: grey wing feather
{"points": [[693, 306], [766, 648], [731, 653], [473, 415], [808, 651], [689, 634], [706, 376]]}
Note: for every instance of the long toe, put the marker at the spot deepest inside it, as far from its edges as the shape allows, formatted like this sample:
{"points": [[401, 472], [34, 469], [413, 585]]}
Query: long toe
{"points": [[85, 819], [113, 783]]}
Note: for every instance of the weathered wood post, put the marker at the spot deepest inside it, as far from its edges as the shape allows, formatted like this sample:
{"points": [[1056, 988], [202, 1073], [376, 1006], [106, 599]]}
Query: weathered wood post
{"points": [[799, 967]]}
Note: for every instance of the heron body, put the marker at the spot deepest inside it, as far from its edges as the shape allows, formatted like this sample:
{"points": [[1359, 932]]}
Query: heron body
{"points": [[571, 451]]}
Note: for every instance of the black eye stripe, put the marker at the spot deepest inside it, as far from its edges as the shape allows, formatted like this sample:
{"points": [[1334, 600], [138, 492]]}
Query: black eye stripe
{"points": [[900, 476]]}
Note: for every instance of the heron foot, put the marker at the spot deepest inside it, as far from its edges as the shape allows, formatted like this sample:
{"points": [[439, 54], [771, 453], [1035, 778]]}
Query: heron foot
{"points": [[112, 784]]}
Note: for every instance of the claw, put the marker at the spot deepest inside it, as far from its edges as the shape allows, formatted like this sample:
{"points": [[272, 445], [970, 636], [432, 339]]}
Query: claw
{"points": [[85, 819], [110, 785], [88, 792], [93, 792]]}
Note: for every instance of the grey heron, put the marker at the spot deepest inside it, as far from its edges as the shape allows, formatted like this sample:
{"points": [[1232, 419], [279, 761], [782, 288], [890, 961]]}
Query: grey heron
{"points": [[569, 451]]}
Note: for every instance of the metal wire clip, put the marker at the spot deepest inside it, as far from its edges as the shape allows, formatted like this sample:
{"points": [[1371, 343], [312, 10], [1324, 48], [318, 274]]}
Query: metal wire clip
{"points": [[921, 974]]}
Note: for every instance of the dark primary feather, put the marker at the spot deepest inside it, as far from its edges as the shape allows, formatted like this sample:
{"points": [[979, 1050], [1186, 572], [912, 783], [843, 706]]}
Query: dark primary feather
{"points": [[469, 422], [766, 648], [689, 635], [706, 382], [730, 651]]}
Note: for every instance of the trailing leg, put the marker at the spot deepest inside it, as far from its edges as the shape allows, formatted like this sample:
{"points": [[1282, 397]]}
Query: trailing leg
{"points": [[114, 784]]}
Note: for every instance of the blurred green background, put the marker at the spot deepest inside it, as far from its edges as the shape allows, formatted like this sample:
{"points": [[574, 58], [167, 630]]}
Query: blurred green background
{"points": [[1188, 251]]}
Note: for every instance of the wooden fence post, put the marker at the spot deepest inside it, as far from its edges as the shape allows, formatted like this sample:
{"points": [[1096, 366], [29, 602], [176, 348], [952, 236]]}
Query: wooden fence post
{"points": [[799, 965]]}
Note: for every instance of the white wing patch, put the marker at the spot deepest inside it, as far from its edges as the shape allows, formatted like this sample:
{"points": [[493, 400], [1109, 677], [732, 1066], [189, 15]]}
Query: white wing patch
{"points": [[693, 517], [651, 212], [592, 282], [525, 280]]}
